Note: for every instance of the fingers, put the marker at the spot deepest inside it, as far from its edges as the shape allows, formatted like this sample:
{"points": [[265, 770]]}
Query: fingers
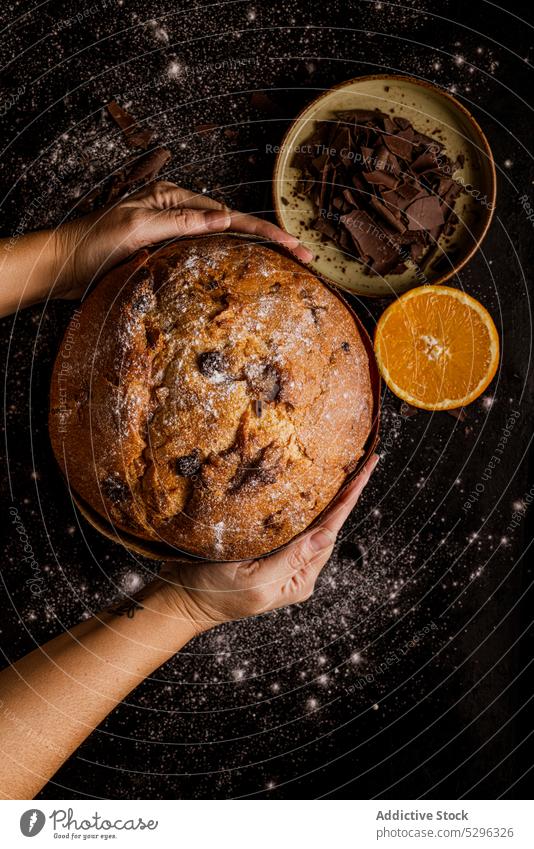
{"points": [[166, 195], [344, 505], [160, 224], [173, 223], [244, 223], [307, 555], [234, 590]]}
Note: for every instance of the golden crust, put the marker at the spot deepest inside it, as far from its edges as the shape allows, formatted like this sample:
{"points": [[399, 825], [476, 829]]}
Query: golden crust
{"points": [[212, 394]]}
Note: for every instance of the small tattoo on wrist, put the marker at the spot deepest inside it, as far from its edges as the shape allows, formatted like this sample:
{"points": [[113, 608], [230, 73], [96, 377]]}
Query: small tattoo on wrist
{"points": [[127, 607]]}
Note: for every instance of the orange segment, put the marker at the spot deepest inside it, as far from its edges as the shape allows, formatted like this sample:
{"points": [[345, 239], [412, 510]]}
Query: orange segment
{"points": [[437, 348]]}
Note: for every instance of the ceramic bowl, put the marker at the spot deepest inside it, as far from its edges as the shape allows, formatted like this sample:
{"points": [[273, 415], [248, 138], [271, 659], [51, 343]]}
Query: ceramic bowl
{"points": [[431, 111]]}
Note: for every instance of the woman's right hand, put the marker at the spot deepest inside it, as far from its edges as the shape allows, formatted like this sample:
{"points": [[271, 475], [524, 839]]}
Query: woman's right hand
{"points": [[87, 247], [222, 592]]}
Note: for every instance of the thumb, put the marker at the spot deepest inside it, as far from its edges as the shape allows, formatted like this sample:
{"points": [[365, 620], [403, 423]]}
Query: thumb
{"points": [[158, 225], [313, 549]]}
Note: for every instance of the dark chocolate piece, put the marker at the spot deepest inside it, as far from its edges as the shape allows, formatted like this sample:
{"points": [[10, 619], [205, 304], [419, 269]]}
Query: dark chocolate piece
{"points": [[383, 192], [263, 381], [424, 213], [115, 489], [135, 136], [189, 464], [212, 363], [371, 241], [256, 471], [149, 165]]}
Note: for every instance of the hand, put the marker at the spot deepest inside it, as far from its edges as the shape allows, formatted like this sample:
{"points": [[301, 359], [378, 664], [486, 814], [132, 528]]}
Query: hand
{"points": [[220, 592], [89, 246]]}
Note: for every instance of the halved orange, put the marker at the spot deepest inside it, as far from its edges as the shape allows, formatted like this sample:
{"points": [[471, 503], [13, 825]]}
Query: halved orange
{"points": [[437, 348]]}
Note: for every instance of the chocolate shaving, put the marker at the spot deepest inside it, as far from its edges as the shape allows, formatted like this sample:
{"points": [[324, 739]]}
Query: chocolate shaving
{"points": [[135, 137], [256, 471], [407, 410], [382, 191], [260, 100], [398, 145], [149, 165], [381, 178], [425, 213], [212, 364], [369, 241], [141, 169], [205, 128], [459, 413], [122, 118], [264, 381]]}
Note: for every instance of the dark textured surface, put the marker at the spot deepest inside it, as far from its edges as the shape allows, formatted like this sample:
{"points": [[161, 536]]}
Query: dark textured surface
{"points": [[406, 675]]}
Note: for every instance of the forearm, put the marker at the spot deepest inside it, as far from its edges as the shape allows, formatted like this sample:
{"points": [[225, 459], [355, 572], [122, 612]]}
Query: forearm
{"points": [[29, 269], [62, 262], [54, 697]]}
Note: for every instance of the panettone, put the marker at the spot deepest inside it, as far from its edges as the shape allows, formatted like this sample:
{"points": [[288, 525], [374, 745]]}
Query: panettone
{"points": [[211, 394]]}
